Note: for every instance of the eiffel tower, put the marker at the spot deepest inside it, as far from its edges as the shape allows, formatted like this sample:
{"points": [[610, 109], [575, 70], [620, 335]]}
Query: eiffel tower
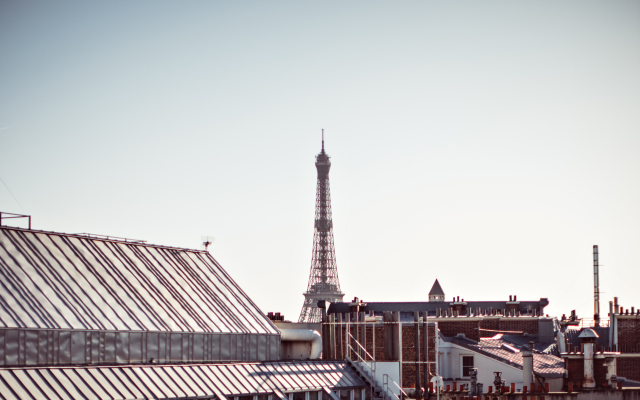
{"points": [[323, 278]]}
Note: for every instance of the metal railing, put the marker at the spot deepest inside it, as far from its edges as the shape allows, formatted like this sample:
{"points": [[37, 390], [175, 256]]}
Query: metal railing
{"points": [[3, 215], [369, 367], [385, 387]]}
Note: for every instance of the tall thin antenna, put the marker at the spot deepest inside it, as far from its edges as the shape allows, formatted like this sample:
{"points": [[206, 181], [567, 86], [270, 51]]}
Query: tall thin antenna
{"points": [[596, 288], [323, 140]]}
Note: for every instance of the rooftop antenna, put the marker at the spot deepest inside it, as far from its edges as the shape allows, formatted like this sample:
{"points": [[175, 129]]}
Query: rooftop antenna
{"points": [[596, 288], [323, 140], [206, 242]]}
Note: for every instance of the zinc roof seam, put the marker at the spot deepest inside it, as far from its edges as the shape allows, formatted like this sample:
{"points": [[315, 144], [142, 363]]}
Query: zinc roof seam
{"points": [[224, 319], [5, 306], [19, 244], [98, 371], [231, 315], [216, 382], [334, 373], [180, 295], [208, 293], [112, 290], [66, 298], [90, 269], [176, 380], [55, 275], [99, 239], [6, 385], [140, 301], [75, 378], [276, 371], [301, 377], [57, 379], [314, 373], [145, 283], [43, 382], [230, 377], [33, 382], [22, 385], [51, 380], [137, 382], [126, 385], [262, 382], [176, 374], [152, 380], [248, 381], [89, 377], [123, 283], [261, 377], [246, 299], [208, 382], [24, 298], [317, 377], [171, 383]]}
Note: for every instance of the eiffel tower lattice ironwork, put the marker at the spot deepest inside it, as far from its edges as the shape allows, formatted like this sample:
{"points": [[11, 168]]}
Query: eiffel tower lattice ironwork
{"points": [[323, 279]]}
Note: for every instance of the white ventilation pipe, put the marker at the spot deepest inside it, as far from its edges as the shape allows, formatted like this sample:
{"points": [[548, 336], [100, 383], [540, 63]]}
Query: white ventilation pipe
{"points": [[527, 365], [304, 335]]}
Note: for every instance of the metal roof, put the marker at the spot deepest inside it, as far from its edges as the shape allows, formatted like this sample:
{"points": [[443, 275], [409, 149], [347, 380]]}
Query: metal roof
{"points": [[61, 281], [175, 381], [545, 365]]}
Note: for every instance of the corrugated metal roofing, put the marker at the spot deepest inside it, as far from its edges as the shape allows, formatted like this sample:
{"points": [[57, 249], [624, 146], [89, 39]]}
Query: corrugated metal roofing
{"points": [[59, 281], [175, 381]]}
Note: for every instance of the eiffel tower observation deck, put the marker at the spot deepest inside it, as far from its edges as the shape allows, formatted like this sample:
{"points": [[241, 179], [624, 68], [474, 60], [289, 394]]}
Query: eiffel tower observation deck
{"points": [[323, 278]]}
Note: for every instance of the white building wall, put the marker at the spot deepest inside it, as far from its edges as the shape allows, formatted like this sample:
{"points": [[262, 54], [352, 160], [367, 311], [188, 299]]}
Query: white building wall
{"points": [[451, 367]]}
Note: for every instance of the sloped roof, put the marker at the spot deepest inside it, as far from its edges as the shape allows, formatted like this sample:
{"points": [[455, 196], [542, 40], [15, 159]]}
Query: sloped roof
{"points": [[545, 365], [55, 280], [175, 381], [436, 289]]}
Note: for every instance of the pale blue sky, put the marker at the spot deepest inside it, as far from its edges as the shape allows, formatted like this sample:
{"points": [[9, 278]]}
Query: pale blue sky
{"points": [[490, 144]]}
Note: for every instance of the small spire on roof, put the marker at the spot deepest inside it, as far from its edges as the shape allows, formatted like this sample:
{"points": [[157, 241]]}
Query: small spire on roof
{"points": [[436, 293], [323, 140]]}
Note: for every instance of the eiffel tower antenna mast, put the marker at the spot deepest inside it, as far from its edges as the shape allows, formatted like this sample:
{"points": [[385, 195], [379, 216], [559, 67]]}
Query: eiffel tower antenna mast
{"points": [[323, 277]]}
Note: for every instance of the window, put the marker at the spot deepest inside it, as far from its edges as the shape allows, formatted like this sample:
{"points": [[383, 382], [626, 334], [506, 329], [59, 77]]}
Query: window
{"points": [[467, 364], [298, 396]]}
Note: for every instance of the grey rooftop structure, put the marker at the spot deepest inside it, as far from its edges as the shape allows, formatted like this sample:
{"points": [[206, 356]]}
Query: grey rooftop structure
{"points": [[77, 299], [193, 381], [506, 351]]}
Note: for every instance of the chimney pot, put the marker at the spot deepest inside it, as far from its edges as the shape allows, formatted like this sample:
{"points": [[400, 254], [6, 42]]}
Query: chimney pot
{"points": [[510, 298]]}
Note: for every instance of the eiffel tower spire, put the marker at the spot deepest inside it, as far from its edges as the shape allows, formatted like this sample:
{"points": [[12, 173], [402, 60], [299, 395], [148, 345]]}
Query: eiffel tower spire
{"points": [[323, 278]]}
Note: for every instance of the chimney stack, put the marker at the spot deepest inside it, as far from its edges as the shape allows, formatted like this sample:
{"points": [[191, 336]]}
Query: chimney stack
{"points": [[596, 288]]}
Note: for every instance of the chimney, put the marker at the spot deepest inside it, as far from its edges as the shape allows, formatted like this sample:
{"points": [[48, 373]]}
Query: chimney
{"points": [[588, 339], [527, 365], [596, 288]]}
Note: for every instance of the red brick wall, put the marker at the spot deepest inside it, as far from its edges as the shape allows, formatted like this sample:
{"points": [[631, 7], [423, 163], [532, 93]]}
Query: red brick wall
{"points": [[629, 367], [628, 335], [460, 325], [409, 354], [600, 371], [517, 324], [492, 324], [575, 369]]}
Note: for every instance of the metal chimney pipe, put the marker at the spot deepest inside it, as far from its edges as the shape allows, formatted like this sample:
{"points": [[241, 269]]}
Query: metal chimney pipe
{"points": [[596, 288]]}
